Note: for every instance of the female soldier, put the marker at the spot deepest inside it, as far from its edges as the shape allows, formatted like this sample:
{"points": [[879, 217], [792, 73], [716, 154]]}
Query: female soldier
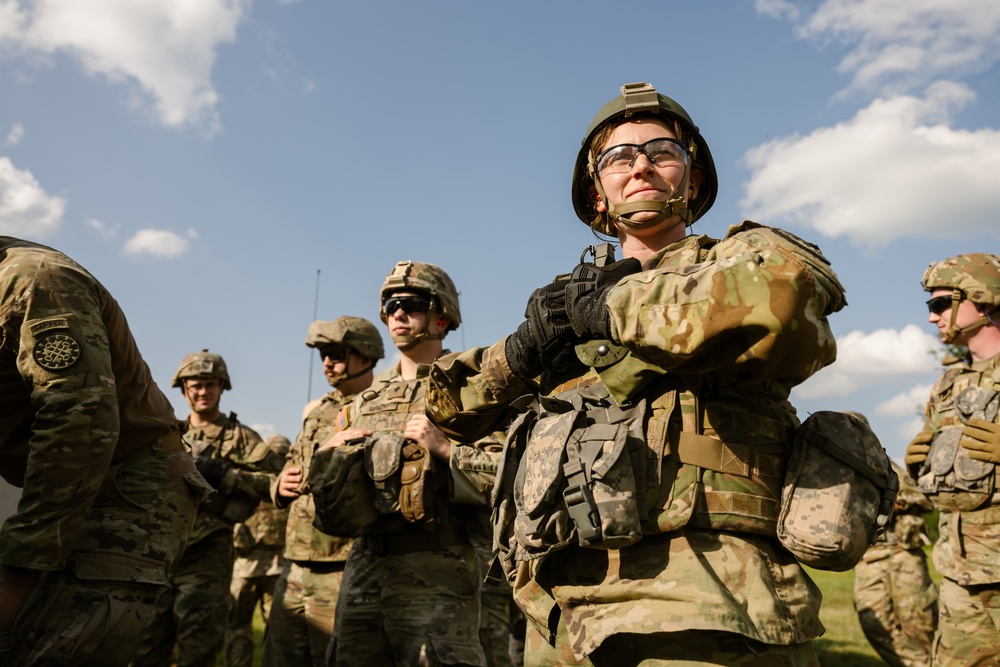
{"points": [[682, 356]]}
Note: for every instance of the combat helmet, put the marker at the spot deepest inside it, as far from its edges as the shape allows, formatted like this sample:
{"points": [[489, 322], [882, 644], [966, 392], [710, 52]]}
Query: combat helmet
{"points": [[426, 278], [356, 333], [642, 99], [973, 276], [202, 364]]}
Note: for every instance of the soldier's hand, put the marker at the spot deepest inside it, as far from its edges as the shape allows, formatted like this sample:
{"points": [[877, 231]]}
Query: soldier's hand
{"points": [[544, 333], [422, 430], [212, 469], [15, 585], [982, 439], [341, 438], [289, 482], [916, 452], [587, 296]]}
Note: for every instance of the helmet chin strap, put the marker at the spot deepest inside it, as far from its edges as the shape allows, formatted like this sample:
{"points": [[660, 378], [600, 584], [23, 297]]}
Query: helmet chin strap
{"points": [[953, 329], [406, 342], [337, 380], [675, 206]]}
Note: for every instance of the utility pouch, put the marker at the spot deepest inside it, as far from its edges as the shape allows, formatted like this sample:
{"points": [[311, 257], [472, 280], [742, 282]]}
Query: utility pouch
{"points": [[418, 484], [838, 493], [342, 491], [382, 461], [959, 482]]}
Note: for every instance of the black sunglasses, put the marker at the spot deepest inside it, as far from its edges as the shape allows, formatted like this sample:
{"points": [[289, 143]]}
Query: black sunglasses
{"points": [[334, 353], [409, 304], [939, 304]]}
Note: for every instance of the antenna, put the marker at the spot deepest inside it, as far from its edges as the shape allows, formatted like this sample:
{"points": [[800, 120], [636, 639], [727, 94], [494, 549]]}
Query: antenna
{"points": [[312, 357]]}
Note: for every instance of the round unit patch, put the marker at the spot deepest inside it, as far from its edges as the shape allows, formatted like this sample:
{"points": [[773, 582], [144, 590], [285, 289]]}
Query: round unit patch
{"points": [[56, 352]]}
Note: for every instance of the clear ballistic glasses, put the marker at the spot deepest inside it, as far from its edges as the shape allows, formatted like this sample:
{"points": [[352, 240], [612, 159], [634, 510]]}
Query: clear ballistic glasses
{"points": [[619, 159], [409, 304]]}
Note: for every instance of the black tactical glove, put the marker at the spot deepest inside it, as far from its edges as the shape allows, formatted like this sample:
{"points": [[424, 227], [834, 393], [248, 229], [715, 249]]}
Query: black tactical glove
{"points": [[544, 333], [212, 469], [587, 296]]}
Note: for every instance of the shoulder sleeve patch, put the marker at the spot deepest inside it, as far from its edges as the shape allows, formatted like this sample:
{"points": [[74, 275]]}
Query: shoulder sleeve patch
{"points": [[41, 326], [56, 351]]}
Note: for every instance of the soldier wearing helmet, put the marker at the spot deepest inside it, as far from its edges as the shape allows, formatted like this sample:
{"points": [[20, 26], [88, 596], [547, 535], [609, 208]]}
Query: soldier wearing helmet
{"points": [[232, 457], [954, 458], [408, 498], [670, 555], [302, 618]]}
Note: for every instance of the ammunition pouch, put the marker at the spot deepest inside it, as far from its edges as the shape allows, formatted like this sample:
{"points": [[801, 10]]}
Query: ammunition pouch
{"points": [[838, 493], [382, 461], [957, 482]]}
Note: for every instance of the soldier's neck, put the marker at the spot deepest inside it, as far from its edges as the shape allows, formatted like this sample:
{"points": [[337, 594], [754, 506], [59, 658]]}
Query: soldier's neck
{"points": [[204, 418]]}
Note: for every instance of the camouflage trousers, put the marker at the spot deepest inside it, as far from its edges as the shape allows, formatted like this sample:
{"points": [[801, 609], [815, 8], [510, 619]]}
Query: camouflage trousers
{"points": [[969, 627], [896, 603], [500, 616], [94, 611], [192, 613], [300, 626], [247, 593], [417, 609], [686, 648]]}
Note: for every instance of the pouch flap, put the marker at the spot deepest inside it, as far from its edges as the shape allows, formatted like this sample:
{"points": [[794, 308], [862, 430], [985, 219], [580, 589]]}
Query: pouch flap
{"points": [[539, 476], [383, 457]]}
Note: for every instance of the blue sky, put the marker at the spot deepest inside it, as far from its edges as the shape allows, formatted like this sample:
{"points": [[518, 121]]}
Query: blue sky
{"points": [[229, 167]]}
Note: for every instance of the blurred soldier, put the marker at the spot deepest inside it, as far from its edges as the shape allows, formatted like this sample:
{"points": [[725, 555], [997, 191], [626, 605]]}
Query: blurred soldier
{"points": [[305, 598], [894, 596], [410, 594], [192, 615], [258, 543], [954, 458], [109, 495], [660, 424]]}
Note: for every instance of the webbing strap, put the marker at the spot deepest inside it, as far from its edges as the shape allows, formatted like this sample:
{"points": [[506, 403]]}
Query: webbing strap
{"points": [[708, 452]]}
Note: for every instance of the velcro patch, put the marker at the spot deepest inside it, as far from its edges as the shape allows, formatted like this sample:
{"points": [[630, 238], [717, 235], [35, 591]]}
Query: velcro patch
{"points": [[56, 351], [37, 328]]}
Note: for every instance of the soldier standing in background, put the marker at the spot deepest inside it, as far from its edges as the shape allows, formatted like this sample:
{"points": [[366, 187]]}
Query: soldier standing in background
{"points": [[954, 458], [675, 363], [410, 594], [192, 615], [894, 595], [305, 598], [258, 543], [109, 495]]}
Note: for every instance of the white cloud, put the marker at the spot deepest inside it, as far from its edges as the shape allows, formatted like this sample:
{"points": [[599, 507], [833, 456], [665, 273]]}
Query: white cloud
{"points": [[895, 169], [164, 48], [157, 242], [15, 135], [878, 357], [102, 228], [902, 44], [909, 430], [264, 430], [25, 208], [907, 404]]}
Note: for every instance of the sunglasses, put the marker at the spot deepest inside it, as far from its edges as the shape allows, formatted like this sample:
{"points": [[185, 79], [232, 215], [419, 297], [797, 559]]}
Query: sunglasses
{"points": [[409, 304], [334, 353], [939, 304]]}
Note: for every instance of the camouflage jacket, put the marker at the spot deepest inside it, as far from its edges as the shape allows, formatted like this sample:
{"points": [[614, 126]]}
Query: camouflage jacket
{"points": [[246, 483], [259, 541], [77, 397], [734, 324], [907, 529], [968, 547], [303, 542]]}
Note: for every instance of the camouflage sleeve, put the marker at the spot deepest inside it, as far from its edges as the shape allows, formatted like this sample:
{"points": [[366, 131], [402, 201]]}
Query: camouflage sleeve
{"points": [[756, 306], [473, 470], [257, 466], [468, 392], [65, 359]]}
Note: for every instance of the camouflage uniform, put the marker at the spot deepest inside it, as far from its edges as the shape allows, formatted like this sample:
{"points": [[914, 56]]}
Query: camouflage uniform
{"points": [[967, 553], [192, 615], [109, 495], [894, 596], [258, 543], [410, 594], [305, 597], [679, 369]]}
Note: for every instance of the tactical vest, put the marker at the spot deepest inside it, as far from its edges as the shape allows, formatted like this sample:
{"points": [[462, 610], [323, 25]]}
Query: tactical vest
{"points": [[958, 482], [236, 506]]}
